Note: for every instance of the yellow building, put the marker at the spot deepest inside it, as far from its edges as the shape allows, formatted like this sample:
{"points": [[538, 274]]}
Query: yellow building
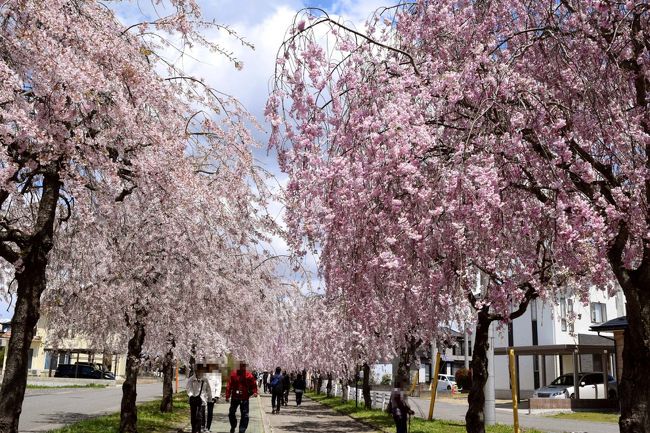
{"points": [[44, 357]]}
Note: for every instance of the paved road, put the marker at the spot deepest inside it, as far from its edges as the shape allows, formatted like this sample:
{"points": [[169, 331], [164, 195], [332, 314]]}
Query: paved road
{"points": [[221, 424], [310, 417], [48, 409], [455, 411]]}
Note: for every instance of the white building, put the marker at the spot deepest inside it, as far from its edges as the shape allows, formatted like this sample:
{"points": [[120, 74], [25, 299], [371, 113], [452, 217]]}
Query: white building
{"points": [[550, 324]]}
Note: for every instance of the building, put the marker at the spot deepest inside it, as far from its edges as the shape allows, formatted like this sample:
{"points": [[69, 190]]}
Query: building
{"points": [[552, 338], [452, 358], [617, 326], [44, 357]]}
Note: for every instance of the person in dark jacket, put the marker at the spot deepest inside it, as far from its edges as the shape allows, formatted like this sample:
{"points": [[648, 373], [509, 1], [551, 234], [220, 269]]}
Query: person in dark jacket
{"points": [[265, 381], [277, 390], [299, 386], [241, 386], [399, 406], [286, 387]]}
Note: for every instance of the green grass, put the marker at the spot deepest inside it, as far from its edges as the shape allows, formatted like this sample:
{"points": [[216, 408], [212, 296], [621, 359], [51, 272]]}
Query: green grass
{"points": [[384, 422], [590, 416], [150, 419], [89, 385]]}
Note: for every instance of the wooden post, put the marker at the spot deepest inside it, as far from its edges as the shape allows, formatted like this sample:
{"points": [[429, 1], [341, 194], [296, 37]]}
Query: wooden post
{"points": [[513, 388], [576, 376], [605, 357], [434, 386], [415, 383]]}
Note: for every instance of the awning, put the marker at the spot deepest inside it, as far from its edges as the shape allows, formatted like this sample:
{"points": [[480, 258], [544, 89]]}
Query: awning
{"points": [[555, 349], [618, 324]]}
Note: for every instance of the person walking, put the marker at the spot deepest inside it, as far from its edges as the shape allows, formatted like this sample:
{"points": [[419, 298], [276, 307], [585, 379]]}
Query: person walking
{"points": [[265, 381], [199, 394], [399, 406], [241, 386], [299, 386], [286, 387], [213, 378], [277, 390]]}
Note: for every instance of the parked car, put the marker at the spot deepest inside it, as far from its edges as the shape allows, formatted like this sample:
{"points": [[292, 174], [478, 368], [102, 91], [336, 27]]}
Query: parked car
{"points": [[82, 371], [446, 382], [591, 386], [78, 371], [106, 374]]}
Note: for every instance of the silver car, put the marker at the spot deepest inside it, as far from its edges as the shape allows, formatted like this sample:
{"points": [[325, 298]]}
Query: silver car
{"points": [[591, 386]]}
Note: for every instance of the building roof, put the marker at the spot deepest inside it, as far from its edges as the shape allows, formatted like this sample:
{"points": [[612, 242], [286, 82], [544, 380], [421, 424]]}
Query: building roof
{"points": [[618, 324], [555, 349]]}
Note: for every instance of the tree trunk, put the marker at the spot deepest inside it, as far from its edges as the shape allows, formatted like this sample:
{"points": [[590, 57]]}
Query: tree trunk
{"points": [[366, 386], [166, 404], [329, 384], [344, 388], [129, 412], [634, 389], [475, 416], [31, 279], [406, 358], [192, 361]]}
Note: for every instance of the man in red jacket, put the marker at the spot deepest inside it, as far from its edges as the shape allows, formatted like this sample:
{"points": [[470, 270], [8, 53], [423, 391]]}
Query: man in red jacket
{"points": [[241, 386]]}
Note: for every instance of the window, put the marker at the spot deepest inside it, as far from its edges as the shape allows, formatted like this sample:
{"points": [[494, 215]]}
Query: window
{"points": [[533, 309], [569, 307], [533, 322], [563, 321], [598, 312]]}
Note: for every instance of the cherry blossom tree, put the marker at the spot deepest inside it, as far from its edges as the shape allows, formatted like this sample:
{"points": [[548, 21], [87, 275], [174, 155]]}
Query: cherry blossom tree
{"points": [[182, 270], [445, 129], [87, 117]]}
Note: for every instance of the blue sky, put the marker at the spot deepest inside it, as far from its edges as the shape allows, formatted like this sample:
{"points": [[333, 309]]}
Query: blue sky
{"points": [[264, 24]]}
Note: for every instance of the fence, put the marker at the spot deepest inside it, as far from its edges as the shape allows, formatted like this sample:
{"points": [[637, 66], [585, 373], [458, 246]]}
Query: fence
{"points": [[379, 399]]}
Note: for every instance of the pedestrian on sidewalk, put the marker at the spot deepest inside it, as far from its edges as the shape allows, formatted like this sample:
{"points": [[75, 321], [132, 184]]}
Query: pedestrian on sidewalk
{"points": [[241, 386], [277, 390], [398, 405], [213, 378], [299, 386], [198, 391], [265, 381], [286, 387]]}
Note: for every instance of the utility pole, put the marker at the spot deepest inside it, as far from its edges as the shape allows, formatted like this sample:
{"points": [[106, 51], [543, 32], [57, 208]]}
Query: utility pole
{"points": [[489, 410], [466, 349]]}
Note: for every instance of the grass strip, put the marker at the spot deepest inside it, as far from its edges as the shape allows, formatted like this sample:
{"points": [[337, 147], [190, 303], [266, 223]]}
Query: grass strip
{"points": [[384, 422], [611, 417], [89, 385], [150, 419]]}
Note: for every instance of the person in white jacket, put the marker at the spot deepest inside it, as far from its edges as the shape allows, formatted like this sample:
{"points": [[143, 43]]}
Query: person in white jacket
{"points": [[213, 378], [199, 393]]}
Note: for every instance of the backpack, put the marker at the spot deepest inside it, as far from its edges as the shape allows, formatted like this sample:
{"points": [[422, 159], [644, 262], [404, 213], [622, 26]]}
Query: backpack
{"points": [[276, 382]]}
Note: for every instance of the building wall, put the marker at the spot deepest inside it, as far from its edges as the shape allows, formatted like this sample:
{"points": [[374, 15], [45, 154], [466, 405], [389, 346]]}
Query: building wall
{"points": [[39, 354], [549, 332]]}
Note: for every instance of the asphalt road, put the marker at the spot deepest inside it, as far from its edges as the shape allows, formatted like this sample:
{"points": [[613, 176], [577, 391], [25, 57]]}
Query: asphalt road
{"points": [[48, 409]]}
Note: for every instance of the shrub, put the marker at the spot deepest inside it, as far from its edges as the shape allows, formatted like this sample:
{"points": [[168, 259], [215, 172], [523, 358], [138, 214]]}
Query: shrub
{"points": [[386, 379], [464, 378]]}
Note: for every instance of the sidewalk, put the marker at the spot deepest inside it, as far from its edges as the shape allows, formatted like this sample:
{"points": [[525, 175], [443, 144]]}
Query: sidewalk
{"points": [[310, 417], [220, 423]]}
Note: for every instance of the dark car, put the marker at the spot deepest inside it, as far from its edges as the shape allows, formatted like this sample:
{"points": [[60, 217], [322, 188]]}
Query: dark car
{"points": [[106, 374], [78, 371]]}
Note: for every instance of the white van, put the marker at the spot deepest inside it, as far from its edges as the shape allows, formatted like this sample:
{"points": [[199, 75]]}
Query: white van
{"points": [[446, 382]]}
